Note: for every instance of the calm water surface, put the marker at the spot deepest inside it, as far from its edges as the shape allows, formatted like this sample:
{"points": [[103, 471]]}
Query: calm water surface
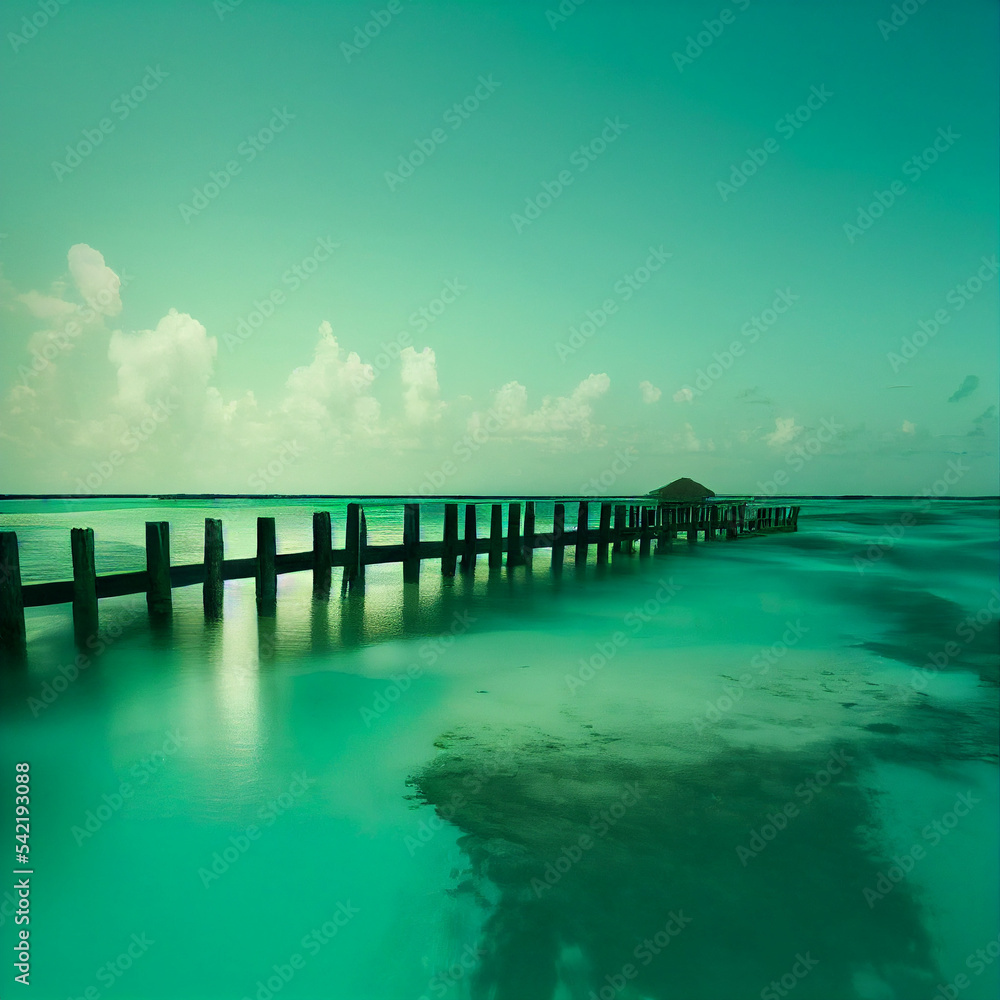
{"points": [[742, 770]]}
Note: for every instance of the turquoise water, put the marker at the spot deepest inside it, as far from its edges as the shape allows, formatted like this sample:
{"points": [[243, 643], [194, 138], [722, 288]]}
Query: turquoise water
{"points": [[750, 769]]}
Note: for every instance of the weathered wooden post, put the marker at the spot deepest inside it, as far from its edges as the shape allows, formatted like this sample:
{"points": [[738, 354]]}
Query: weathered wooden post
{"points": [[362, 549], [322, 554], [411, 543], [604, 533], [449, 541], [646, 532], [84, 583], [692, 525], [527, 549], [12, 631], [795, 518], [158, 597], [558, 530], [496, 536], [267, 573], [514, 535], [732, 523], [582, 533], [352, 549], [619, 529], [469, 539], [212, 590]]}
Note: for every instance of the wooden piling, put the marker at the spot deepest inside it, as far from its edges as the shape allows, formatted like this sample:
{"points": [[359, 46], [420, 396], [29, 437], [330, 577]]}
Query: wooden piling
{"points": [[362, 549], [692, 525], [514, 535], [212, 589], [604, 533], [496, 536], [449, 547], [619, 528], [352, 548], [322, 554], [469, 539], [85, 619], [267, 574], [528, 546], [647, 532], [12, 631], [558, 530], [582, 533], [411, 543], [158, 597]]}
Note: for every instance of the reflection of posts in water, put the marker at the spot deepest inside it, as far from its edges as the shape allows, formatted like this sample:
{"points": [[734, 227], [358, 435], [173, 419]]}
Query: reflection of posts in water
{"points": [[267, 638], [84, 584], [558, 530], [352, 617], [322, 555], [267, 572], [319, 625], [411, 608]]}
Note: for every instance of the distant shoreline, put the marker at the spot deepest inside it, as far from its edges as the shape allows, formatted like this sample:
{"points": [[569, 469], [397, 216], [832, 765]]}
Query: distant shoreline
{"points": [[411, 498]]}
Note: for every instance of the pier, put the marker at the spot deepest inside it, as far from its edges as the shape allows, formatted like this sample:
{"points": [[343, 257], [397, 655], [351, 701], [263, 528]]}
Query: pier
{"points": [[639, 526]]}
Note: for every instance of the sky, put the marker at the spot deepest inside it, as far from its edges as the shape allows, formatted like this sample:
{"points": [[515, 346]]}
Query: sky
{"points": [[498, 247]]}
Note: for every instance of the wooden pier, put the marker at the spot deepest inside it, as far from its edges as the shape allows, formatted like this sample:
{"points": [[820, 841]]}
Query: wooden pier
{"points": [[649, 526]]}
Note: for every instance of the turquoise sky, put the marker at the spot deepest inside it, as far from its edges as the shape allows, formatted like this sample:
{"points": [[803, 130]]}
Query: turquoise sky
{"points": [[658, 180]]}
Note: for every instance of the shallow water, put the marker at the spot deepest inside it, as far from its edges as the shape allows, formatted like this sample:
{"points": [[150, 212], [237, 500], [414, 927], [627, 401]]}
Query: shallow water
{"points": [[740, 769]]}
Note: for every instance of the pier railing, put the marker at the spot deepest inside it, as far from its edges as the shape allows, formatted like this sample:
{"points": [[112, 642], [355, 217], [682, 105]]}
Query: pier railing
{"points": [[621, 529]]}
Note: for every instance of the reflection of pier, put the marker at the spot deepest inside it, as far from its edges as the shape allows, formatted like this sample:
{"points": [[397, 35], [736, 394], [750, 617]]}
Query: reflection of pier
{"points": [[622, 529]]}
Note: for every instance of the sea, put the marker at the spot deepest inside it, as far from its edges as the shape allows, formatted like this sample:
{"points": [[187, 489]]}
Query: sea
{"points": [[756, 768]]}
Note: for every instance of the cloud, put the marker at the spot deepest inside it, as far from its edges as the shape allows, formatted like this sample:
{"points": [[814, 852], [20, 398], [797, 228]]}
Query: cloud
{"points": [[785, 431], [684, 395], [969, 385], [650, 394], [96, 282], [908, 428], [420, 386]]}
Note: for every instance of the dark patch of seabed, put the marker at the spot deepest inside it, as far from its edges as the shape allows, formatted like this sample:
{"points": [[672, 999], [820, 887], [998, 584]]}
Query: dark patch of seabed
{"points": [[673, 851]]}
